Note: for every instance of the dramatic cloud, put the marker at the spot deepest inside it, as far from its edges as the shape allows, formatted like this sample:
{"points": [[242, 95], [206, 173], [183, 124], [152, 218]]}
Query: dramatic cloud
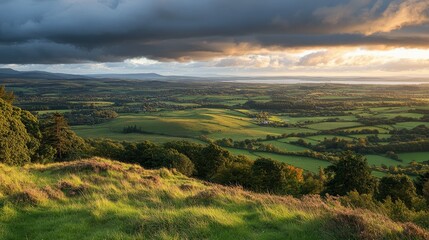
{"points": [[78, 31]]}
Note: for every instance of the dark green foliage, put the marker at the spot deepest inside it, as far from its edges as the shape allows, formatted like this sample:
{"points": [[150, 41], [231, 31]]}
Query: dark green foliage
{"points": [[21, 140], [397, 187], [146, 154], [89, 116], [16, 144], [41, 153], [58, 135], [421, 181], [106, 148], [191, 150], [172, 159], [350, 173], [213, 160], [132, 129], [238, 173], [274, 177], [7, 96], [313, 184]]}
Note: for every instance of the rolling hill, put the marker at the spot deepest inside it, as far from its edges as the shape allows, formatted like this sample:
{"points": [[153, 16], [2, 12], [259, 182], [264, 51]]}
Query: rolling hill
{"points": [[103, 199]]}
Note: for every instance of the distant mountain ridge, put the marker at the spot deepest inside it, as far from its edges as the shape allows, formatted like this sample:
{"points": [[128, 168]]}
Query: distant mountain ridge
{"points": [[6, 73], [11, 73], [132, 76]]}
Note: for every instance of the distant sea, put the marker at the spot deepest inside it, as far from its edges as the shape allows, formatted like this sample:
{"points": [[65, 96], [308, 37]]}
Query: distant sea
{"points": [[301, 81]]}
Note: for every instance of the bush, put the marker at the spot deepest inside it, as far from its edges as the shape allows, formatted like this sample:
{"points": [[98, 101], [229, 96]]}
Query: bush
{"points": [[397, 187]]}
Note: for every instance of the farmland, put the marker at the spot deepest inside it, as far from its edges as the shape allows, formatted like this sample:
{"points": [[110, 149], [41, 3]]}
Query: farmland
{"points": [[305, 125]]}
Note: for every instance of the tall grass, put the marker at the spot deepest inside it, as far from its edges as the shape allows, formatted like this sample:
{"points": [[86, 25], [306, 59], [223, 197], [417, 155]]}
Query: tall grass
{"points": [[102, 199]]}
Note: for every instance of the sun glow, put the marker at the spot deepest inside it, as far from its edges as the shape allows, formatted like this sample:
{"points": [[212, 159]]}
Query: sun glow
{"points": [[396, 53]]}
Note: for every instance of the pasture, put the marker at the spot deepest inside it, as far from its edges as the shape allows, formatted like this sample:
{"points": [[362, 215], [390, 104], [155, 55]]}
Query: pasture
{"points": [[292, 118]]}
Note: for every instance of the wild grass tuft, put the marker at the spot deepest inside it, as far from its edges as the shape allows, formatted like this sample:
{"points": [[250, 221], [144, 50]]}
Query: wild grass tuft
{"points": [[103, 199]]}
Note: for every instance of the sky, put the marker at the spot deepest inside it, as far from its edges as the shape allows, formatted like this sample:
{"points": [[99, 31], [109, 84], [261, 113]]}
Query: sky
{"points": [[217, 37]]}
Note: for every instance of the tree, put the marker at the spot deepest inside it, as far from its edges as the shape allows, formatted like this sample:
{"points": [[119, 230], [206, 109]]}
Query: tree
{"points": [[238, 172], [350, 173], [15, 142], [8, 97], [425, 192], [107, 148], [313, 184], [213, 160], [57, 133], [171, 158], [40, 152], [421, 181], [275, 177], [397, 187], [192, 150]]}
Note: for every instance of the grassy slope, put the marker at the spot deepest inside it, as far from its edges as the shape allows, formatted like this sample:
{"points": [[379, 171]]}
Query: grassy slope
{"points": [[101, 199]]}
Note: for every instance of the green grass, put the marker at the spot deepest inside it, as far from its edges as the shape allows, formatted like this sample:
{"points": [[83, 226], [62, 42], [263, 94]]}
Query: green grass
{"points": [[181, 104], [322, 137], [378, 160], [381, 136], [381, 129], [212, 123], [95, 132], [379, 174], [95, 103], [294, 139], [410, 125], [414, 156], [243, 152], [306, 163], [332, 125], [295, 120], [284, 146], [54, 111], [99, 199], [393, 115]]}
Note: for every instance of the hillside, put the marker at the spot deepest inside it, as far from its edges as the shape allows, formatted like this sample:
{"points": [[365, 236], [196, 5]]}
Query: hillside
{"points": [[103, 199]]}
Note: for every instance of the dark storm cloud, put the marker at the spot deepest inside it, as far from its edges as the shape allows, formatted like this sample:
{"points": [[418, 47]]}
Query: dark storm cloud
{"points": [[70, 31]]}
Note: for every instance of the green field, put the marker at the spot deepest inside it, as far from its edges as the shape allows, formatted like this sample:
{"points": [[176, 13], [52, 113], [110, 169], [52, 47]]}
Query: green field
{"points": [[213, 123], [323, 137], [414, 156], [294, 139], [410, 125], [332, 125], [380, 129], [378, 160], [53, 111], [243, 152], [284, 146], [206, 111], [315, 119], [381, 136], [306, 163]]}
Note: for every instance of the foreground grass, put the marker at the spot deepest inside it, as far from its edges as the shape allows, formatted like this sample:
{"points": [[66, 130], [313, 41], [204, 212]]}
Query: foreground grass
{"points": [[102, 199]]}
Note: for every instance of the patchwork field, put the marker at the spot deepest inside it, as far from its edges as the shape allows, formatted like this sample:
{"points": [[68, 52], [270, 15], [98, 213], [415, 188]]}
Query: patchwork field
{"points": [[332, 125], [414, 156], [318, 120], [212, 123], [306, 163]]}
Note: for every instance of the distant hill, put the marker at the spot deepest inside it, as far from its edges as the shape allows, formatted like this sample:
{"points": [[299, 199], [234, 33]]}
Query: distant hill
{"points": [[144, 76], [132, 76], [102, 199], [8, 73], [11, 73]]}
